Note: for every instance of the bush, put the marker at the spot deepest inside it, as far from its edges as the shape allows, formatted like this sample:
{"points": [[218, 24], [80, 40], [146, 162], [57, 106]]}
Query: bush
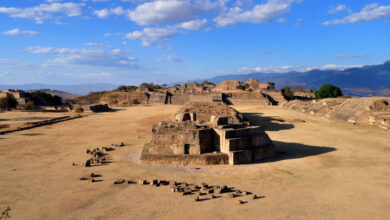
{"points": [[8, 102], [287, 93], [49, 99], [250, 90], [136, 102], [2, 126], [328, 91], [79, 110], [30, 105], [124, 88], [242, 86]]}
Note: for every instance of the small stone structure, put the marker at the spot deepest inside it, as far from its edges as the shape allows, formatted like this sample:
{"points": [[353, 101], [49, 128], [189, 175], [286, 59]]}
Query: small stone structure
{"points": [[206, 134], [21, 96]]}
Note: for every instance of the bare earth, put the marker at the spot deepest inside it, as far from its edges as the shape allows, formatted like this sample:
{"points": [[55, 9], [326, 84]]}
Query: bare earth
{"points": [[324, 170]]}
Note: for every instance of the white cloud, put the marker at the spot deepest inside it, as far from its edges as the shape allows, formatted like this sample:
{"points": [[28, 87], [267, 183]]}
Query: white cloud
{"points": [[17, 32], [339, 8], [44, 11], [298, 22], [264, 53], [287, 68], [171, 11], [258, 14], [194, 24], [40, 50], [151, 35], [348, 56], [104, 13], [169, 58], [368, 13], [96, 75], [92, 57]]}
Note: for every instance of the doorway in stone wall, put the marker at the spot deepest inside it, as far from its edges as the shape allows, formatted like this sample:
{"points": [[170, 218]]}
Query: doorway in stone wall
{"points": [[186, 149]]}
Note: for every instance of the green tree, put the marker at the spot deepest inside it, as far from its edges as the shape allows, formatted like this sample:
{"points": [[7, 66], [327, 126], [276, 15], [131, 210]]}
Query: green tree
{"points": [[8, 102], [288, 93], [328, 91]]}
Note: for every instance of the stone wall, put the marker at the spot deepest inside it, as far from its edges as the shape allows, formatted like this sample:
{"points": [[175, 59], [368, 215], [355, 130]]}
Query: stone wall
{"points": [[183, 159]]}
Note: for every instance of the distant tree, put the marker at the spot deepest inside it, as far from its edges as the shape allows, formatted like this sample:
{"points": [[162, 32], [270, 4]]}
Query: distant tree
{"points": [[205, 83], [121, 88], [164, 86], [49, 99], [8, 102], [56, 101], [243, 86], [328, 91], [30, 105], [124, 88], [288, 93], [177, 85]]}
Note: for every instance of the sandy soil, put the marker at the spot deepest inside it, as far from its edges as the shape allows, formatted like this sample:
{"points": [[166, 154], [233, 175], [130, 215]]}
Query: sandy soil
{"points": [[324, 170]]}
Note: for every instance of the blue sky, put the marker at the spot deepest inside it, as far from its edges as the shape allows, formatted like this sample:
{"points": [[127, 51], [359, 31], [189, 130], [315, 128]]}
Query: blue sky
{"points": [[164, 41]]}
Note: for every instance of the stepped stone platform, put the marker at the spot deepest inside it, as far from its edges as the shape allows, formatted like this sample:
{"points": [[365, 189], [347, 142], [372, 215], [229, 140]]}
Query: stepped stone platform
{"points": [[206, 134], [233, 92]]}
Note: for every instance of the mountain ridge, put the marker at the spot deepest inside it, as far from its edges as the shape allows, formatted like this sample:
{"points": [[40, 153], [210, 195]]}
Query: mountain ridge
{"points": [[370, 80]]}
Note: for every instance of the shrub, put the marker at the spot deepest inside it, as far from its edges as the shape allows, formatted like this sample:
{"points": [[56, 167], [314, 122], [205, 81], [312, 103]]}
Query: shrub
{"points": [[48, 98], [328, 91], [8, 102], [136, 102], [4, 126], [288, 93], [79, 110], [250, 90], [242, 86], [30, 105], [124, 88]]}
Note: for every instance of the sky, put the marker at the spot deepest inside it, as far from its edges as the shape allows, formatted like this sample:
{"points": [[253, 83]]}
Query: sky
{"points": [[166, 41]]}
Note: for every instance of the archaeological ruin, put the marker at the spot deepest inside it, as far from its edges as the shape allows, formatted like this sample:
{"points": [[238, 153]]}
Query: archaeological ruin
{"points": [[228, 92], [203, 133]]}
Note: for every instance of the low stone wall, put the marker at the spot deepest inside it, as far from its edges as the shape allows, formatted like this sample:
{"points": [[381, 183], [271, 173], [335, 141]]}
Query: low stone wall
{"points": [[251, 155], [182, 160], [42, 123]]}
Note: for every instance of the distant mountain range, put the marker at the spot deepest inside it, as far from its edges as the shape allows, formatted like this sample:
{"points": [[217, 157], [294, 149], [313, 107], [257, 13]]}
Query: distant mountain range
{"points": [[373, 80], [64, 95], [81, 89]]}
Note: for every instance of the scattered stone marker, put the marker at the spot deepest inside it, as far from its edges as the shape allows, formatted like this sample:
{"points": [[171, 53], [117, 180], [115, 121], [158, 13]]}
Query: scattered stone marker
{"points": [[120, 181]]}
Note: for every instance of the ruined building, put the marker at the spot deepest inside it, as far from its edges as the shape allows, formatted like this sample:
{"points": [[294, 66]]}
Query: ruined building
{"points": [[228, 92], [21, 96], [206, 134]]}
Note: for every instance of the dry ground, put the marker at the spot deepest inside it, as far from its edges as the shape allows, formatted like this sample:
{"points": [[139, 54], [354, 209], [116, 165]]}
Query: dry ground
{"points": [[324, 170]]}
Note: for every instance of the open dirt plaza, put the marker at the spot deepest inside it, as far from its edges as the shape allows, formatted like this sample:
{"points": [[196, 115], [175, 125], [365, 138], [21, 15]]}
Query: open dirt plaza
{"points": [[323, 170]]}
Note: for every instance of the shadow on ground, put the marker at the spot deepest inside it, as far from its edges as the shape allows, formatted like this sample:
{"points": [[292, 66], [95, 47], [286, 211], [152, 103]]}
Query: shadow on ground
{"points": [[32, 134], [267, 123], [289, 150]]}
